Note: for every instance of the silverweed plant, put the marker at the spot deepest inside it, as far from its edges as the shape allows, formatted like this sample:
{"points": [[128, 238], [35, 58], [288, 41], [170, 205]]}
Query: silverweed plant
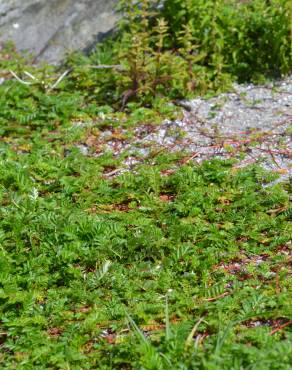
{"points": [[173, 265], [145, 270]]}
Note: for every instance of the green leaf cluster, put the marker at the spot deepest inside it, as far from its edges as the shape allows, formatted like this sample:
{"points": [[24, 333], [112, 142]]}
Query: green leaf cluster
{"points": [[165, 266], [183, 48], [250, 40], [129, 272]]}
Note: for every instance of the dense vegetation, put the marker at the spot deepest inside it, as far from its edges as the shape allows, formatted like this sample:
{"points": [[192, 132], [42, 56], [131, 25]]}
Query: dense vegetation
{"points": [[174, 265], [190, 47]]}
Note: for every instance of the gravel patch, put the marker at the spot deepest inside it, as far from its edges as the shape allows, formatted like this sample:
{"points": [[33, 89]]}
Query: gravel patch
{"points": [[251, 123]]}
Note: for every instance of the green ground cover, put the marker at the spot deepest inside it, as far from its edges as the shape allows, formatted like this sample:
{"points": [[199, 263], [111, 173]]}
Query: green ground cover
{"points": [[115, 273], [172, 265]]}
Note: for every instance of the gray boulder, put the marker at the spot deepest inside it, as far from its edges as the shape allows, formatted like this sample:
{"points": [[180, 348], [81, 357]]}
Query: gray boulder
{"points": [[50, 28]]}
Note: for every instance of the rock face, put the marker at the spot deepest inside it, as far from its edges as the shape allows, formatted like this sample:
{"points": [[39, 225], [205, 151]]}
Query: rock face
{"points": [[50, 28]]}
